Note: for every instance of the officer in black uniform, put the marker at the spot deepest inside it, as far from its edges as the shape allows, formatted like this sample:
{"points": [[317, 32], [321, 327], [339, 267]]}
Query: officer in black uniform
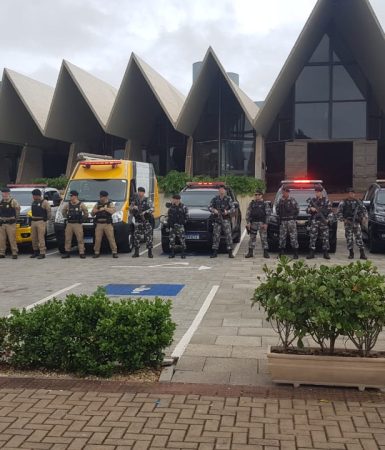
{"points": [[257, 217], [177, 218]]}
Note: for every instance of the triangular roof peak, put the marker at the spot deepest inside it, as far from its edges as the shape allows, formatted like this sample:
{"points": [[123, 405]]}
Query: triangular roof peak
{"points": [[357, 24], [200, 90], [35, 96]]}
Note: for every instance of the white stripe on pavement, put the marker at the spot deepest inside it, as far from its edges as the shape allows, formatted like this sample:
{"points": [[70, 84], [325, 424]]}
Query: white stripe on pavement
{"points": [[52, 253], [183, 343], [55, 294], [239, 243], [145, 251]]}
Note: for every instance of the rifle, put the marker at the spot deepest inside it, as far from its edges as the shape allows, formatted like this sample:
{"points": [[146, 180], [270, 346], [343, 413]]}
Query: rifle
{"points": [[319, 212]]}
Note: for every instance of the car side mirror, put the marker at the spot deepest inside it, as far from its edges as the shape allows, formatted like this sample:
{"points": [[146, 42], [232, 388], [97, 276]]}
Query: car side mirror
{"points": [[168, 205], [367, 204]]}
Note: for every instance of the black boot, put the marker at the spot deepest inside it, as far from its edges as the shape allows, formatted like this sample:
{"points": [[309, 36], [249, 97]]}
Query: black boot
{"points": [[231, 253], [295, 254], [172, 254], [183, 255], [351, 254], [310, 255], [96, 255], [66, 255], [34, 254], [149, 253], [249, 254], [326, 254], [115, 255], [266, 254], [214, 254], [362, 254], [41, 256], [136, 253]]}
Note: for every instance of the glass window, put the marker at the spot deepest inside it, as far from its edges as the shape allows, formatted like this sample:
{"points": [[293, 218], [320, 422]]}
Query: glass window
{"points": [[198, 197], [206, 158], [349, 120], [313, 84], [237, 157], [312, 120], [89, 189], [344, 87], [381, 197], [321, 53]]}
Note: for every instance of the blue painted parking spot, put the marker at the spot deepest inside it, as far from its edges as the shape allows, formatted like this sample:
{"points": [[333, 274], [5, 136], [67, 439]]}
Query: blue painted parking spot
{"points": [[162, 290]]}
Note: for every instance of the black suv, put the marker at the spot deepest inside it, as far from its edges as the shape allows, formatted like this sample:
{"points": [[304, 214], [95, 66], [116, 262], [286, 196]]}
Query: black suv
{"points": [[300, 190], [199, 227], [373, 231]]}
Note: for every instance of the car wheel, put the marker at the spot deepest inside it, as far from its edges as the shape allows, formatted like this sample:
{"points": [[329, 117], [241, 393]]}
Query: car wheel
{"points": [[165, 245], [373, 243], [127, 246]]}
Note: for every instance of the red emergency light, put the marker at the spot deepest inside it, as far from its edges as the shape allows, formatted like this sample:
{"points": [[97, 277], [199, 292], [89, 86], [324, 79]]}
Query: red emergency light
{"points": [[206, 183], [88, 164]]}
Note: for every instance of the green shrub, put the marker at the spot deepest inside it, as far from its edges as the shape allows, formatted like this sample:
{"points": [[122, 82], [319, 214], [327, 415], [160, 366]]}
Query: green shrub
{"points": [[175, 181], [59, 183], [88, 334]]}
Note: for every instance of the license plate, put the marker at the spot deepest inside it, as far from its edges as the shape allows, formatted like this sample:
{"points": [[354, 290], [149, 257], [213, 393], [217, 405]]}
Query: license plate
{"points": [[88, 240], [192, 237]]}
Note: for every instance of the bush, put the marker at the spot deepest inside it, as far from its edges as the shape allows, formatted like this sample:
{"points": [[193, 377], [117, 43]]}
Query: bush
{"points": [[324, 303], [175, 181], [89, 335], [60, 183]]}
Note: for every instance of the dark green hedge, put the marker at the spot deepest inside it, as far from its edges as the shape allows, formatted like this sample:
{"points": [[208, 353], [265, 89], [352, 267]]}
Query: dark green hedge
{"points": [[88, 334], [59, 183], [175, 181]]}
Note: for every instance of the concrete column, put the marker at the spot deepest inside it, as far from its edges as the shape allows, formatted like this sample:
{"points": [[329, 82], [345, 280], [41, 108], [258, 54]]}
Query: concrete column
{"points": [[260, 158], [189, 156], [5, 167], [295, 159], [30, 165], [364, 164], [133, 151], [71, 161]]}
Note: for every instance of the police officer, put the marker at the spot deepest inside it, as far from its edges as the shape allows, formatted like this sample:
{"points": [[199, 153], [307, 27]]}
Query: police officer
{"points": [[352, 211], [287, 211], [41, 212], [102, 213], [74, 211], [9, 213], [320, 211], [257, 217], [142, 208], [221, 208], [177, 217]]}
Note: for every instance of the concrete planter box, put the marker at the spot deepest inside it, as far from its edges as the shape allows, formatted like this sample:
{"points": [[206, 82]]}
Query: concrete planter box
{"points": [[327, 370]]}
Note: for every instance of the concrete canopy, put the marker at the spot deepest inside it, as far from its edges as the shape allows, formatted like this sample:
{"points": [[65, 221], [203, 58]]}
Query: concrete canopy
{"points": [[24, 106], [357, 25], [80, 107], [141, 98], [200, 90]]}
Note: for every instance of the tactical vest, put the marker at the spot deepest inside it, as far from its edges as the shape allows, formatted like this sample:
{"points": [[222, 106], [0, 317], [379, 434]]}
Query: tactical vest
{"points": [[75, 213], [349, 208], [222, 204], [143, 206], [257, 211], [103, 216], [38, 212], [286, 209], [321, 205], [7, 210], [176, 215]]}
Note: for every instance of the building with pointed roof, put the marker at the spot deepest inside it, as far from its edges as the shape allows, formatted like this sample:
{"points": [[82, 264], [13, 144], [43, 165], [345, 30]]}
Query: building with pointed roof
{"points": [[145, 113]]}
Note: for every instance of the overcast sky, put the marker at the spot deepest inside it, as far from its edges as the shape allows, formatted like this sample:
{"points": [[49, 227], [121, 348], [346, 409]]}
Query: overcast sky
{"points": [[250, 37]]}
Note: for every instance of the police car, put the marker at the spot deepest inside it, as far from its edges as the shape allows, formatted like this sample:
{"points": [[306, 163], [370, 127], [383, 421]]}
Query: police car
{"points": [[199, 227], [301, 191], [373, 230]]}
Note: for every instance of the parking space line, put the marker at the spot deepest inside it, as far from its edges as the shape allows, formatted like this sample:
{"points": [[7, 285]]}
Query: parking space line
{"points": [[52, 253], [55, 294], [183, 343], [145, 251], [237, 247]]}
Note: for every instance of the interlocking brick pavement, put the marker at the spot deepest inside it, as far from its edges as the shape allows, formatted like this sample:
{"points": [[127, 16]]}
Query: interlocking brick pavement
{"points": [[75, 414]]}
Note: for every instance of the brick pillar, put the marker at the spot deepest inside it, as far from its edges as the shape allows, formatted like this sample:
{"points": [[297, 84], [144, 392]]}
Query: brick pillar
{"points": [[295, 159], [30, 165], [189, 156], [364, 164]]}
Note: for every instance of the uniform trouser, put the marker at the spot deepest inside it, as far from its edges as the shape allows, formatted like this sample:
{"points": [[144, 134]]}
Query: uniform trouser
{"points": [[8, 230], [225, 226], [254, 229], [108, 230], [353, 230], [177, 231], [319, 228], [288, 227], [77, 230], [38, 229], [143, 228]]}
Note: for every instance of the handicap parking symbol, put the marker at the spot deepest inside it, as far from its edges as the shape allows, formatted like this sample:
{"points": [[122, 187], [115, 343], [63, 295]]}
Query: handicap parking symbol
{"points": [[161, 290]]}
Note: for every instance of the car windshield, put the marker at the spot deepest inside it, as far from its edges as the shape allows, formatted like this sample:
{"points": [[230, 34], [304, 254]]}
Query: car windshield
{"points": [[89, 189], [381, 197], [198, 198], [24, 198], [301, 195]]}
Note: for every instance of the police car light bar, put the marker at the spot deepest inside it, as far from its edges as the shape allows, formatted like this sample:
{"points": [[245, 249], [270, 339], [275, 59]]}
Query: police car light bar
{"points": [[27, 185], [205, 183], [88, 164], [302, 181]]}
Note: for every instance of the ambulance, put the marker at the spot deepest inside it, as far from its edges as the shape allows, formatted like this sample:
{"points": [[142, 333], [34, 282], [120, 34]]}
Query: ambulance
{"points": [[120, 178]]}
